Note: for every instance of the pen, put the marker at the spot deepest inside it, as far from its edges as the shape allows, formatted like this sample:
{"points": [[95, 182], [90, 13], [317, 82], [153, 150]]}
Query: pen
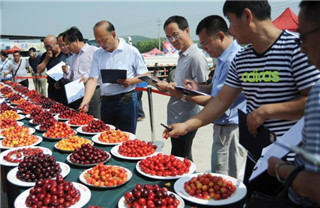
{"points": [[165, 126]]}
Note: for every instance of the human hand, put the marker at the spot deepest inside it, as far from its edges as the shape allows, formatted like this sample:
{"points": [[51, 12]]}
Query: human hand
{"points": [[254, 120], [84, 107], [162, 86], [190, 84], [177, 129], [83, 79], [173, 91], [272, 162], [125, 82], [65, 68], [49, 54]]}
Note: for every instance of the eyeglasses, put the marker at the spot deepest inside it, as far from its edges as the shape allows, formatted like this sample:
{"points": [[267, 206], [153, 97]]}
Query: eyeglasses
{"points": [[48, 47], [303, 37], [173, 38]]}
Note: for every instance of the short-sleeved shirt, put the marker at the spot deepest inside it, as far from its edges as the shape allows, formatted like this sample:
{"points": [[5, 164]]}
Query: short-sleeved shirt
{"points": [[275, 76], [19, 70], [191, 64], [310, 138], [4, 67], [34, 63], [218, 80], [124, 57], [81, 63]]}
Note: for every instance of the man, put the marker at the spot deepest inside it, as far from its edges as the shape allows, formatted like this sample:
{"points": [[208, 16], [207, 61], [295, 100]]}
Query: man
{"points": [[4, 66], [304, 191], [18, 68], [191, 65], [119, 101], [272, 72], [80, 67], [40, 84], [228, 156], [49, 59]]}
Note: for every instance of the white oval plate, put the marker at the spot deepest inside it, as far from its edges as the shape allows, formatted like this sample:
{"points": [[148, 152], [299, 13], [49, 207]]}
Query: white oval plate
{"points": [[6, 163], [83, 180], [87, 165], [12, 175], [72, 125], [240, 192], [95, 138], [38, 128], [191, 170], [79, 130], [55, 145], [85, 195], [122, 202], [20, 117], [20, 123], [56, 138], [34, 144], [31, 131], [28, 116], [31, 123], [60, 119], [115, 151]]}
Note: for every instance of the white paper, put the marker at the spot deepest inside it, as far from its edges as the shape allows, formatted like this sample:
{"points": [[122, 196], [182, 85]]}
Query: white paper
{"points": [[56, 72], [74, 90], [291, 138]]}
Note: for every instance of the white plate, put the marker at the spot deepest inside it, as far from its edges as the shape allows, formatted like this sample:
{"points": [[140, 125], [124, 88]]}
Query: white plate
{"points": [[122, 202], [56, 138], [6, 163], [115, 152], [55, 145], [79, 129], [20, 117], [87, 165], [240, 192], [60, 119], [37, 142], [192, 168], [95, 138], [12, 175], [85, 195], [83, 180], [38, 128], [31, 123], [28, 116], [31, 131]]}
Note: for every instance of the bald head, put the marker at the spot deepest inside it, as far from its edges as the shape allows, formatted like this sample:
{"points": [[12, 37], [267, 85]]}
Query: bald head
{"points": [[106, 24], [50, 38], [50, 43]]}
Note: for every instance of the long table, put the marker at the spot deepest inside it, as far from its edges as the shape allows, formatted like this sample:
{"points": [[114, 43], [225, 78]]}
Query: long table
{"points": [[106, 198]]}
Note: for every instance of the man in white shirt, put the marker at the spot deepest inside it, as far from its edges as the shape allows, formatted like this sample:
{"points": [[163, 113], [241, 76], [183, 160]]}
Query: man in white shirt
{"points": [[4, 66]]}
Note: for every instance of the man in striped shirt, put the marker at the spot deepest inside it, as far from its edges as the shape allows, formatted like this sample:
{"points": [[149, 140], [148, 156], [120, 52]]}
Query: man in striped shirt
{"points": [[271, 71], [305, 188]]}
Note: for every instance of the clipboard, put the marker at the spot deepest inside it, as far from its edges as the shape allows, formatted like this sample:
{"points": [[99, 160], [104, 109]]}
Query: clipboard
{"points": [[189, 92], [56, 72], [254, 144], [112, 75], [149, 80]]}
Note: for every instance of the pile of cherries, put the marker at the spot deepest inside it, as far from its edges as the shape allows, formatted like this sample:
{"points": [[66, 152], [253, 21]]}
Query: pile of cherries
{"points": [[46, 124], [19, 153], [96, 126], [44, 115], [136, 148], [6, 123], [4, 107], [81, 119], [67, 113], [150, 196], [53, 193], [88, 154], [58, 108], [37, 167]]}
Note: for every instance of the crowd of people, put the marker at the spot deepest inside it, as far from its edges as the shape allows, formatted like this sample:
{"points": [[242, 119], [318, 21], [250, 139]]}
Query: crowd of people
{"points": [[270, 74]]}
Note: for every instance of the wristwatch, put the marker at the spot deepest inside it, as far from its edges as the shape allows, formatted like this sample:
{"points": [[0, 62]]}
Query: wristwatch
{"points": [[184, 98]]}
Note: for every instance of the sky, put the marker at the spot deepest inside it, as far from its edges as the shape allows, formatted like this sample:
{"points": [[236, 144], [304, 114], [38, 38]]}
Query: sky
{"points": [[130, 17]]}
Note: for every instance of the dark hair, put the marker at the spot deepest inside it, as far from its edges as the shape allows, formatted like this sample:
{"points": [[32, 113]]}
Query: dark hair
{"points": [[213, 24], [109, 26], [181, 22], [17, 52], [61, 35], [260, 8], [73, 34], [32, 49], [312, 9], [4, 54]]}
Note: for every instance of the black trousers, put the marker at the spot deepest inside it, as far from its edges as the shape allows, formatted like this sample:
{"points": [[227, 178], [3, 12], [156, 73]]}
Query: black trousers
{"points": [[25, 83], [182, 146]]}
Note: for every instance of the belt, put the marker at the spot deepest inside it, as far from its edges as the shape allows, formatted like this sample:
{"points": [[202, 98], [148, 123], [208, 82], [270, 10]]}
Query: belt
{"points": [[118, 96]]}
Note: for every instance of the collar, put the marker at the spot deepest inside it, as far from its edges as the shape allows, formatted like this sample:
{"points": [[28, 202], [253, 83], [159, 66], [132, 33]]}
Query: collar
{"points": [[120, 45], [84, 48], [191, 48], [225, 55]]}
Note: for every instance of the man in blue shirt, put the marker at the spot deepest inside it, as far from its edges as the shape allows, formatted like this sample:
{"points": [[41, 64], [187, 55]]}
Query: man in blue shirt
{"points": [[4, 66], [228, 156], [40, 84]]}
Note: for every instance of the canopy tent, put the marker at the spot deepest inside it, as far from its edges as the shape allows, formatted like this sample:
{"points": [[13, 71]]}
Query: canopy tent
{"points": [[154, 51], [287, 21], [12, 50]]}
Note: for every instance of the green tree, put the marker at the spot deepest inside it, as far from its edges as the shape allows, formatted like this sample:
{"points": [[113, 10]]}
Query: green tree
{"points": [[148, 45]]}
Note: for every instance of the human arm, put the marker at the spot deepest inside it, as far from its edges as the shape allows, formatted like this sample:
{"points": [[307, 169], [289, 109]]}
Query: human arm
{"points": [[89, 91], [131, 81], [42, 66], [290, 110], [306, 183], [211, 112]]}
